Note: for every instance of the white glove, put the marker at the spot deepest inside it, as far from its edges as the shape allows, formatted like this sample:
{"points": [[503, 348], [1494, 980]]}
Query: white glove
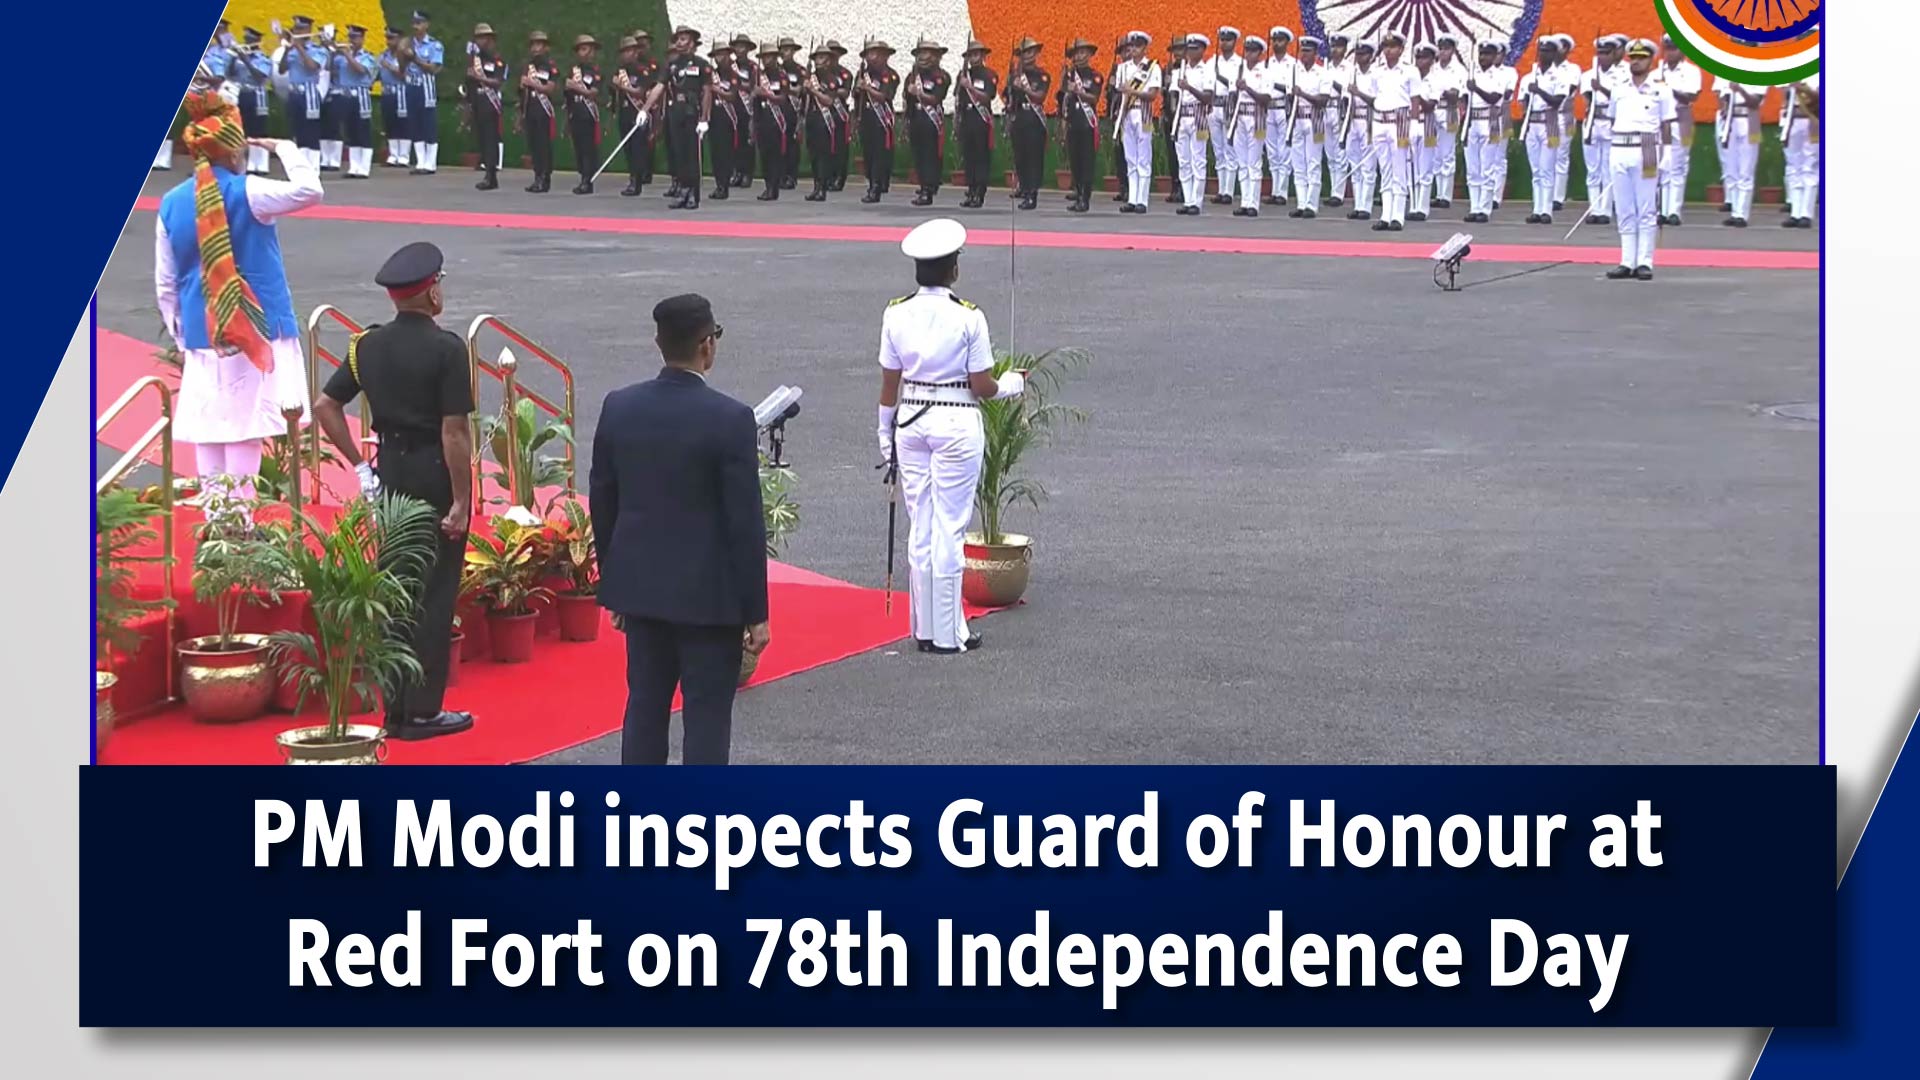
{"points": [[1010, 385], [885, 432], [369, 483], [700, 128]]}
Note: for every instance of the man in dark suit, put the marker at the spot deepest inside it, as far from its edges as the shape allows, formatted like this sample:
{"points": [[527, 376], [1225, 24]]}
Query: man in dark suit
{"points": [[677, 521]]}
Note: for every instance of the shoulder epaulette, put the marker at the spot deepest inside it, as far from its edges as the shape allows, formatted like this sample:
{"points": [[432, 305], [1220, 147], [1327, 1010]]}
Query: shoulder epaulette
{"points": [[901, 299], [968, 304], [353, 353]]}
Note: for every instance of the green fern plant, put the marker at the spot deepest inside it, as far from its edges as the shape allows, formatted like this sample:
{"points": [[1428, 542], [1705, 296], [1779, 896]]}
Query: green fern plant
{"points": [[1014, 427], [123, 523], [778, 508]]}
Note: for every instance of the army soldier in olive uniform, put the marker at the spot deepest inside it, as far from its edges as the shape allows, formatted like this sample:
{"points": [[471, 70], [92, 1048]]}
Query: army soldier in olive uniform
{"points": [[583, 111], [537, 87], [635, 93], [689, 104], [973, 106], [874, 89], [1026, 92], [843, 165], [486, 74], [420, 393], [795, 103]]}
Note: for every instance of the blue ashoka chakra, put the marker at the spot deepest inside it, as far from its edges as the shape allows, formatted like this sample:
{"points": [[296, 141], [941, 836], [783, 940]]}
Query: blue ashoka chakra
{"points": [[1743, 20]]}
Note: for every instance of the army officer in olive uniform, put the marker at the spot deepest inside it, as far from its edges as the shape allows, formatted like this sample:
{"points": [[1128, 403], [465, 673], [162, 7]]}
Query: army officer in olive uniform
{"points": [[420, 394]]}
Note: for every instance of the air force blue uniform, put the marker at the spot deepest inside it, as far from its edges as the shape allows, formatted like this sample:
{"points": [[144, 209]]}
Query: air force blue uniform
{"points": [[422, 103], [350, 101]]}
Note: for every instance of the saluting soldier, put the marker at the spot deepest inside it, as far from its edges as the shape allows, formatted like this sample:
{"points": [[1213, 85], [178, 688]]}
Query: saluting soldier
{"points": [[637, 86], [874, 89], [1079, 102], [425, 55], [973, 108], [1026, 94], [843, 78], [1312, 92], [793, 105], [419, 392], [1684, 82], [1800, 120], [1490, 97], [1641, 117], [304, 63], [1542, 93], [252, 70], [486, 75], [1597, 87], [353, 71], [538, 85], [690, 98], [729, 118], [770, 128], [747, 73], [583, 110], [394, 119], [1449, 80], [936, 366], [926, 101]]}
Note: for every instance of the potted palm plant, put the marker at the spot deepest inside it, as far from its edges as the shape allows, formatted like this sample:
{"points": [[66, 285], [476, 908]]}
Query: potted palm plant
{"points": [[572, 540], [780, 513], [227, 676], [998, 562], [504, 568], [122, 526], [362, 576]]}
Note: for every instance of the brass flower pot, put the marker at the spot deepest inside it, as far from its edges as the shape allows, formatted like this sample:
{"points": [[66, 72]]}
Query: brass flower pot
{"points": [[996, 574], [103, 682], [226, 686], [362, 744]]}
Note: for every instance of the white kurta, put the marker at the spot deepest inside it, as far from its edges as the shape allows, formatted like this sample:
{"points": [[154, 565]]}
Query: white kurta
{"points": [[224, 398]]}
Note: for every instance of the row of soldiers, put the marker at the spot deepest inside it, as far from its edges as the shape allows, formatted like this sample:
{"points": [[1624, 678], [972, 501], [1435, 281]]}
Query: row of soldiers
{"points": [[1275, 115]]}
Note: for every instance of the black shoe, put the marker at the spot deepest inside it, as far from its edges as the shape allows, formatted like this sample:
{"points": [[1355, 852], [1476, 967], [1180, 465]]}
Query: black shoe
{"points": [[973, 643], [872, 195], [1558, 205], [723, 194], [1253, 211], [630, 190], [693, 199], [923, 644], [1394, 226], [741, 180], [1675, 221], [1172, 199], [1790, 223], [1308, 212], [1546, 219], [1222, 200], [416, 728], [1645, 273], [534, 188], [818, 194], [1272, 200], [1239, 211], [584, 187], [1119, 196], [1078, 207], [1443, 204], [674, 191], [418, 172], [1726, 208], [1356, 215], [770, 194], [1496, 204], [1599, 219], [678, 204], [788, 183], [922, 199], [1620, 273], [485, 185], [1296, 212], [1416, 216], [1331, 200], [1736, 222], [1381, 226], [546, 183], [1806, 223], [1030, 202]]}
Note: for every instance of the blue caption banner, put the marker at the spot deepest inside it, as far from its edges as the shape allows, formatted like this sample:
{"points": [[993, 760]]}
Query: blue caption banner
{"points": [[1022, 896]]}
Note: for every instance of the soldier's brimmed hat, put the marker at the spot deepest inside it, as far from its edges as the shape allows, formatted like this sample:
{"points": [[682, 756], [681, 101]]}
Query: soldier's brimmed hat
{"points": [[420, 15], [742, 41], [410, 270], [1640, 49], [687, 31], [1082, 45], [836, 48], [392, 31], [479, 30], [628, 43], [642, 35], [1027, 44], [1564, 41], [1666, 41], [769, 49], [1280, 33], [302, 26], [352, 30], [720, 48], [975, 45], [586, 39], [929, 45], [934, 239], [788, 43], [872, 47], [820, 51], [1615, 41], [253, 37]]}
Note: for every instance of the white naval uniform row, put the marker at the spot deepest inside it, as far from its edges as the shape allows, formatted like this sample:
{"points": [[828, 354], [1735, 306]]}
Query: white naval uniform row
{"points": [[1353, 155], [1246, 134], [1680, 78], [1488, 126], [1308, 147], [1641, 112], [1736, 131], [936, 341], [1186, 82], [1279, 74], [1220, 74], [1391, 86], [226, 406], [1803, 153], [1439, 81]]}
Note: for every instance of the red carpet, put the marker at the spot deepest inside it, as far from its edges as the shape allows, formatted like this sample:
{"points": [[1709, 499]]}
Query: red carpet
{"points": [[1603, 254]]}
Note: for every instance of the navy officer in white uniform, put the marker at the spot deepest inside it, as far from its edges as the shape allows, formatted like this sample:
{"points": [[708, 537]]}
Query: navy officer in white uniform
{"points": [[936, 361]]}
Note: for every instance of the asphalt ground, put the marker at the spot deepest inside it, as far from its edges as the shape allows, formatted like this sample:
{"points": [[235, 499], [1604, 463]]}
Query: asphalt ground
{"points": [[1322, 512]]}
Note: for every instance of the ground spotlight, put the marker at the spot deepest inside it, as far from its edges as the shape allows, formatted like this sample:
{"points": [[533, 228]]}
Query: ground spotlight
{"points": [[1447, 260]]}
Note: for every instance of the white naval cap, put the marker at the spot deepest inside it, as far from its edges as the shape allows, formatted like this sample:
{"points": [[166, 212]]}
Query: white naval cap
{"points": [[1139, 37], [1280, 32], [1230, 32], [1196, 41], [1496, 44], [934, 239]]}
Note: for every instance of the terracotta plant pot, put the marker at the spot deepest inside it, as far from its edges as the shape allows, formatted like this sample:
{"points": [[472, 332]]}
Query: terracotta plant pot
{"points": [[470, 160], [473, 628], [453, 658], [363, 744], [546, 608], [510, 637], [102, 709], [579, 617], [996, 574], [226, 686]]}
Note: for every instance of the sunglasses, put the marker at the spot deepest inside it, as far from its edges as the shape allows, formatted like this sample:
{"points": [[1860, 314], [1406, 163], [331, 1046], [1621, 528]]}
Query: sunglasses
{"points": [[716, 333]]}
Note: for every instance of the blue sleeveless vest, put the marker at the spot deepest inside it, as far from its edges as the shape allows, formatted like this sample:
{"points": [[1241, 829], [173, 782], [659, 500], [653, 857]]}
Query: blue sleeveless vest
{"points": [[256, 252]]}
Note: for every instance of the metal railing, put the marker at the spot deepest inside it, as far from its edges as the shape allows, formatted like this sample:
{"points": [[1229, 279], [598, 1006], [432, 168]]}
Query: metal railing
{"points": [[508, 374], [318, 353], [160, 431]]}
